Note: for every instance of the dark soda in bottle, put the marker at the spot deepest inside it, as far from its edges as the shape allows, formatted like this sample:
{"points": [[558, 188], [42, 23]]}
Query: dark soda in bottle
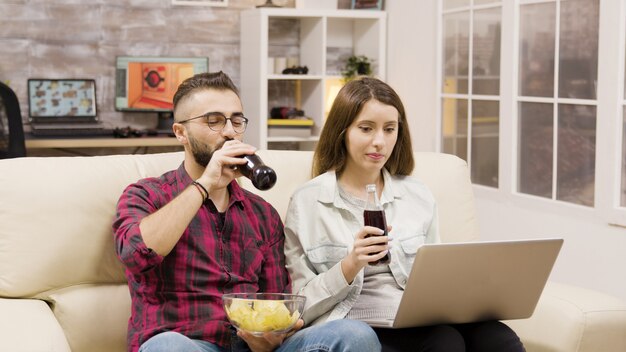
{"points": [[374, 216], [262, 176]]}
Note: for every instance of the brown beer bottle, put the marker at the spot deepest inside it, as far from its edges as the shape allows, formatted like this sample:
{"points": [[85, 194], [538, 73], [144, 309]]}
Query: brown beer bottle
{"points": [[262, 176], [374, 216]]}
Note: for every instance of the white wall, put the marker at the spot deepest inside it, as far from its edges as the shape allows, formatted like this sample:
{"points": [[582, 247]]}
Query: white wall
{"points": [[411, 60], [594, 253]]}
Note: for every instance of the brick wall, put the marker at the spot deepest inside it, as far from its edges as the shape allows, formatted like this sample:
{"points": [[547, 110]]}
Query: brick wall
{"points": [[81, 38]]}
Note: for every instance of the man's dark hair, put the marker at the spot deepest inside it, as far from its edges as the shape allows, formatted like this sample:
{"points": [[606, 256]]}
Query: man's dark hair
{"points": [[206, 80]]}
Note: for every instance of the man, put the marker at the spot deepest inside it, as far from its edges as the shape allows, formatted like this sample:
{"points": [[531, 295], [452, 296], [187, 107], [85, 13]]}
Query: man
{"points": [[192, 234]]}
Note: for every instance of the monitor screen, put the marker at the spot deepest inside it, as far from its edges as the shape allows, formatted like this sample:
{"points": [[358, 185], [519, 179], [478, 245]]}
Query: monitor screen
{"points": [[149, 83], [59, 99]]}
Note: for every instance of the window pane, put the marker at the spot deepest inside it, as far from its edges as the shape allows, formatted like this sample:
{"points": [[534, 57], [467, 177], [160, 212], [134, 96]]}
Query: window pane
{"points": [[576, 158], [450, 4], [485, 134], [454, 126], [578, 49], [624, 161], [481, 2], [537, 31], [535, 149], [486, 53], [455, 52]]}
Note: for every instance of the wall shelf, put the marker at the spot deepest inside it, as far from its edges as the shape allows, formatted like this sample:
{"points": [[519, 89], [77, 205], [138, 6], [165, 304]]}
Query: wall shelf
{"points": [[293, 139], [295, 77]]}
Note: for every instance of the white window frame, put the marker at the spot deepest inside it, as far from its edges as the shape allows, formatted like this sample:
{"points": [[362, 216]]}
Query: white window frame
{"points": [[611, 89], [609, 106], [469, 96], [555, 100]]}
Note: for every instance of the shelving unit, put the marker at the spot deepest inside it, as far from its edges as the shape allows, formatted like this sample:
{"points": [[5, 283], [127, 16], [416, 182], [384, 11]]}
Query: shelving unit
{"points": [[319, 39]]}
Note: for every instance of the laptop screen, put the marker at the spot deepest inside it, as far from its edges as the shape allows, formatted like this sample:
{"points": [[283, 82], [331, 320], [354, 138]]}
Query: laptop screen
{"points": [[62, 100]]}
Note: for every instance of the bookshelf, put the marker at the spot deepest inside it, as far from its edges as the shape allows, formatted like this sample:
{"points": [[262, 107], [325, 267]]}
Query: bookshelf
{"points": [[319, 40]]}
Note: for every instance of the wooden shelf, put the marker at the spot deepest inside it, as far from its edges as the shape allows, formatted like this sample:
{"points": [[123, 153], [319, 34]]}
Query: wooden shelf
{"points": [[99, 142], [295, 77], [293, 139]]}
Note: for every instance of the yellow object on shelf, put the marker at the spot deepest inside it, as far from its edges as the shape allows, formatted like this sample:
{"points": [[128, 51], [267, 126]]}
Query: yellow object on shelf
{"points": [[290, 122], [297, 128]]}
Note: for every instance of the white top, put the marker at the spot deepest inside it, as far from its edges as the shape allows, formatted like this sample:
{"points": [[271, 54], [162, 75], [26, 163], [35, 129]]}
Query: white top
{"points": [[320, 229]]}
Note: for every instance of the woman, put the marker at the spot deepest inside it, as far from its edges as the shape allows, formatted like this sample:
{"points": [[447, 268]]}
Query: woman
{"points": [[366, 141]]}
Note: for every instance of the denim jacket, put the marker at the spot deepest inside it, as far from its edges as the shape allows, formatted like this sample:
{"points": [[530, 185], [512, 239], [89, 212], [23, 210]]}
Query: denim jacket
{"points": [[320, 230]]}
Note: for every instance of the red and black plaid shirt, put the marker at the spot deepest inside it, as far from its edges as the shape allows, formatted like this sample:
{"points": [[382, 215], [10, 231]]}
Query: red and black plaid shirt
{"points": [[182, 291]]}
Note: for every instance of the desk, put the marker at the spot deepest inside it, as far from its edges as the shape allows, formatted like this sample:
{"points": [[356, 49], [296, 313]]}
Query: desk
{"points": [[36, 144]]}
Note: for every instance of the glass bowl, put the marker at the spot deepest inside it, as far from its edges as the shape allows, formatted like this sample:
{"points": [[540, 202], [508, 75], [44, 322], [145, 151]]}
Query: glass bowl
{"points": [[258, 313]]}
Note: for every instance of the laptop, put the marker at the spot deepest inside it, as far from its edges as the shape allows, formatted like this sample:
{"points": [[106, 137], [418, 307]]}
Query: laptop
{"points": [[456, 283], [63, 106]]}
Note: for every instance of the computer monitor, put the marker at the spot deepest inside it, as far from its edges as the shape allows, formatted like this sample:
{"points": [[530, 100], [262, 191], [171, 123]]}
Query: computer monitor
{"points": [[148, 83]]}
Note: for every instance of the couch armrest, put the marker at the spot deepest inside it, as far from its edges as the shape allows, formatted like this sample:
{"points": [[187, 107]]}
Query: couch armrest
{"points": [[573, 319], [29, 325]]}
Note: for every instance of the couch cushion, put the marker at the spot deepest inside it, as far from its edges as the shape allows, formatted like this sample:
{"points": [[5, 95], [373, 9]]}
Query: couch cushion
{"points": [[569, 318], [94, 317], [71, 204], [56, 216], [28, 325], [446, 175], [293, 168]]}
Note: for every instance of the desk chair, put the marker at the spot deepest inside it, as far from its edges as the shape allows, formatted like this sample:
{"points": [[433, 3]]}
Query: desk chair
{"points": [[11, 129]]}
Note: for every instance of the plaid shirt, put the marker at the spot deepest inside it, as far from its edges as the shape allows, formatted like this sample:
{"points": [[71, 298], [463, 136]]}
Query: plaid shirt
{"points": [[242, 251]]}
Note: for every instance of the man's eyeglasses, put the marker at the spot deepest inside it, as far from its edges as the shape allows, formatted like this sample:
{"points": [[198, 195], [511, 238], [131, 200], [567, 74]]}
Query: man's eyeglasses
{"points": [[216, 121]]}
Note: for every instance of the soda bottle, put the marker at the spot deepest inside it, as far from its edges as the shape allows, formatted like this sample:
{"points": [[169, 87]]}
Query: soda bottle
{"points": [[262, 176], [374, 216]]}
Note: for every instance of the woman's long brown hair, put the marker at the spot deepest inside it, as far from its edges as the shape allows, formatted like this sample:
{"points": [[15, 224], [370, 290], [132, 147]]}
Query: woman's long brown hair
{"points": [[331, 151]]}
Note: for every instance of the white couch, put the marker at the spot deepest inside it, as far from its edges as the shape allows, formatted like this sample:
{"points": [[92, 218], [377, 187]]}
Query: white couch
{"points": [[62, 287]]}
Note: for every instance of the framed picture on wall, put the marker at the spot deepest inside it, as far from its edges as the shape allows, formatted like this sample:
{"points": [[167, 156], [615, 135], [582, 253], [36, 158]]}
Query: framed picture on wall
{"points": [[367, 4], [221, 3]]}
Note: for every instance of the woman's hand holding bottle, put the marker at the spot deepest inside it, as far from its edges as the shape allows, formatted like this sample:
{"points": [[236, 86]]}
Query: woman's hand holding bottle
{"points": [[366, 249]]}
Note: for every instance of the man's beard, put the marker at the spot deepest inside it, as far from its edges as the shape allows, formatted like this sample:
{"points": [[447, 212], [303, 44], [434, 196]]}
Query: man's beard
{"points": [[202, 153]]}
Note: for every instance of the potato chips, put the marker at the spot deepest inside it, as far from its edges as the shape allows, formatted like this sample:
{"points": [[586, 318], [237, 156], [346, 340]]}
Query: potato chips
{"points": [[261, 315]]}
